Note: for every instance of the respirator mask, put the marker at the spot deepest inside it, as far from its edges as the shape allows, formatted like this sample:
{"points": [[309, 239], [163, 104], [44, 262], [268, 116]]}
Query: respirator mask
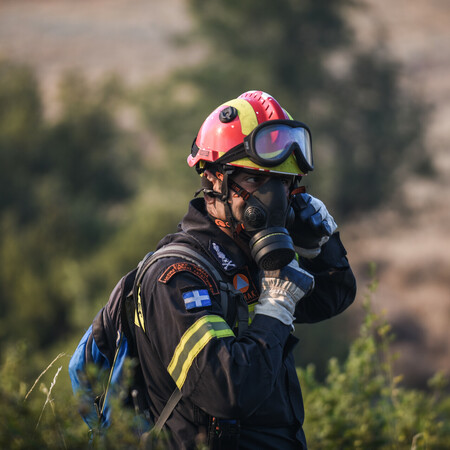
{"points": [[267, 214]]}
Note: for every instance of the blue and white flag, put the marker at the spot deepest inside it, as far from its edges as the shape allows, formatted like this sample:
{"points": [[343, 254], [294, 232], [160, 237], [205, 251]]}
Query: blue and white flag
{"points": [[196, 299]]}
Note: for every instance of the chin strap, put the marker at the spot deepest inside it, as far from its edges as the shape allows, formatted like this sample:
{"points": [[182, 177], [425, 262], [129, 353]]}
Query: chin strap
{"points": [[231, 221], [227, 184]]}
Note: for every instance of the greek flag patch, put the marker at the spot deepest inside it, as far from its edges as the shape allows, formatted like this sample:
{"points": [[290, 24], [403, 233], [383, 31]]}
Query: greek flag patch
{"points": [[196, 299]]}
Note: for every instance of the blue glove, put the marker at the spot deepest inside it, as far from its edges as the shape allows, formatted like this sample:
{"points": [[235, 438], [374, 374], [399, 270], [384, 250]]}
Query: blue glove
{"points": [[313, 225]]}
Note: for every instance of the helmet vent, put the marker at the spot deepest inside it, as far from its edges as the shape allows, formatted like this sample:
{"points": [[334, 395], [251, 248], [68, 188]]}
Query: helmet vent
{"points": [[228, 114]]}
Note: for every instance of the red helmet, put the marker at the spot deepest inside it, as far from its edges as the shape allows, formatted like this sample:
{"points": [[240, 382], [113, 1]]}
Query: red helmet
{"points": [[228, 125]]}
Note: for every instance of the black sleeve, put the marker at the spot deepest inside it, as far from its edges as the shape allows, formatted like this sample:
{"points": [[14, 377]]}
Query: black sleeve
{"points": [[335, 284], [199, 351]]}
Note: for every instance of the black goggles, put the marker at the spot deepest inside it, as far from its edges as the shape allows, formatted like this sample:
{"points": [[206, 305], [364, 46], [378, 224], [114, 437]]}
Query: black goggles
{"points": [[272, 142]]}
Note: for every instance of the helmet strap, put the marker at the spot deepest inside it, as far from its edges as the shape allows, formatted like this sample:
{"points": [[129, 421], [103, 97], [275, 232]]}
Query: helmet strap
{"points": [[231, 221], [227, 185], [222, 173], [207, 186]]}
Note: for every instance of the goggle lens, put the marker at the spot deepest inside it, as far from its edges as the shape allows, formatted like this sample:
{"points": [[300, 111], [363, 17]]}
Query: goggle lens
{"points": [[272, 143], [276, 142]]}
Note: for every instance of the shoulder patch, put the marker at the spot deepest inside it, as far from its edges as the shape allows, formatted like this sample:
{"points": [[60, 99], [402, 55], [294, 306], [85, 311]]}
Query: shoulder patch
{"points": [[219, 254], [200, 273], [198, 298]]}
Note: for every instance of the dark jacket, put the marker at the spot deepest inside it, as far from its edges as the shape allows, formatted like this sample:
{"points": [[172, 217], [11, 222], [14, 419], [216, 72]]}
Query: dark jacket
{"points": [[251, 378]]}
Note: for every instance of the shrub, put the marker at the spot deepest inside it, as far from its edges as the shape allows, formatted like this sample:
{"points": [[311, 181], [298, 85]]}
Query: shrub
{"points": [[362, 404]]}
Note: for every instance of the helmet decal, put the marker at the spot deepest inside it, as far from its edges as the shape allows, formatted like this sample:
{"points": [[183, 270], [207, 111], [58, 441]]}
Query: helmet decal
{"points": [[247, 115]]}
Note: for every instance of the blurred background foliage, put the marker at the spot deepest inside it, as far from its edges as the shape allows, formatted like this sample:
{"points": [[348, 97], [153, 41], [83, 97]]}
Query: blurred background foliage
{"points": [[61, 182], [367, 132], [84, 196]]}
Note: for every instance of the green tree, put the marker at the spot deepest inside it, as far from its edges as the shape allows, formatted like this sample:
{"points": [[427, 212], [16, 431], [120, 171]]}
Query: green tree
{"points": [[61, 183], [362, 404], [20, 133], [87, 164]]}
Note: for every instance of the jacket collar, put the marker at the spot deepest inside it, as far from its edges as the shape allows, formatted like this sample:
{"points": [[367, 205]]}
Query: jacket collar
{"points": [[212, 239]]}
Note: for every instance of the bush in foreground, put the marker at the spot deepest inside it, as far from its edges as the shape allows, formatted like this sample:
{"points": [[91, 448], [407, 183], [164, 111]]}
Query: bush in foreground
{"points": [[360, 405]]}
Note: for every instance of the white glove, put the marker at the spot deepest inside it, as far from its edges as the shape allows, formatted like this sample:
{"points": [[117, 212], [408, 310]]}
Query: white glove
{"points": [[281, 290], [313, 225]]}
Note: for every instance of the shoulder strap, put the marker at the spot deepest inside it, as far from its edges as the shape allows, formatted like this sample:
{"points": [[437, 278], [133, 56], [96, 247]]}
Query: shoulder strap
{"points": [[185, 252], [167, 411]]}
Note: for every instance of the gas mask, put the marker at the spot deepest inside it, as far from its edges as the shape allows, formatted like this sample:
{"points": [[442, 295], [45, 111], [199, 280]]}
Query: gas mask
{"points": [[267, 214]]}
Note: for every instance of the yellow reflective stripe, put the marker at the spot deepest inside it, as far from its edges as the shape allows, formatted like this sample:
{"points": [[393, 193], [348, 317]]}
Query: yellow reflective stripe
{"points": [[138, 314], [247, 115], [192, 343], [189, 348], [289, 167], [187, 336], [290, 117], [251, 312], [224, 333]]}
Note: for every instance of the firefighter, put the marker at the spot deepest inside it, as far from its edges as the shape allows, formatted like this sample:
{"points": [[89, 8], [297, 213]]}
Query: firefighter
{"points": [[277, 246]]}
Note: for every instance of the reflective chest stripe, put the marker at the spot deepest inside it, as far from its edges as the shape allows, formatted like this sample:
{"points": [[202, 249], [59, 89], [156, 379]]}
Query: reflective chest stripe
{"points": [[192, 343], [251, 312], [138, 314]]}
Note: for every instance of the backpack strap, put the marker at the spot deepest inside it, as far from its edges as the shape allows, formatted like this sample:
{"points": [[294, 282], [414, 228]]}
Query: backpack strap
{"points": [[186, 252], [167, 411], [189, 254]]}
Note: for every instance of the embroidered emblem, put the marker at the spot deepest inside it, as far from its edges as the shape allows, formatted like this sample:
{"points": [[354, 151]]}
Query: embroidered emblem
{"points": [[221, 257], [244, 282], [194, 270], [240, 282], [196, 299]]}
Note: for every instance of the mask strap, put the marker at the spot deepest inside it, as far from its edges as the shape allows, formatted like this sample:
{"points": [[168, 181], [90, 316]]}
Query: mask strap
{"points": [[239, 190], [207, 186], [227, 184]]}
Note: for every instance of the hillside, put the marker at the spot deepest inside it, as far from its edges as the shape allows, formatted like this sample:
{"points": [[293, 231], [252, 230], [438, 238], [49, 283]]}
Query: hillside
{"points": [[412, 251]]}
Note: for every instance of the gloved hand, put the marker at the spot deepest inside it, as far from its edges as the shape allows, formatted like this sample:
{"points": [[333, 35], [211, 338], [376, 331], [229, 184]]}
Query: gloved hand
{"points": [[281, 290], [313, 225]]}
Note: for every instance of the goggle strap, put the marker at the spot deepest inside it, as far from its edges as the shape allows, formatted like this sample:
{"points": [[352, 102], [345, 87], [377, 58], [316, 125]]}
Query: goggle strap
{"points": [[233, 154]]}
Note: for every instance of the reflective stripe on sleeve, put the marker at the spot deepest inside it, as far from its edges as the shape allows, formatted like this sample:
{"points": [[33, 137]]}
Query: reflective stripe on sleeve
{"points": [[192, 343]]}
